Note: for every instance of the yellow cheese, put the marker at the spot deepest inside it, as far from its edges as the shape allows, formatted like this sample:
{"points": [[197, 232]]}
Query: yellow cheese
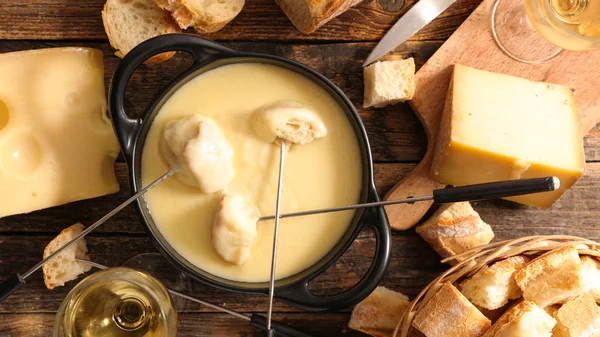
{"points": [[499, 127], [57, 144]]}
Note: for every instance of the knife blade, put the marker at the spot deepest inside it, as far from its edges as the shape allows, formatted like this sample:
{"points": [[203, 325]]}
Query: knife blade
{"points": [[414, 20]]}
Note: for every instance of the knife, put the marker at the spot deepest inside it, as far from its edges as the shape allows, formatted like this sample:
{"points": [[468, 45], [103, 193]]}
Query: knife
{"points": [[416, 18]]}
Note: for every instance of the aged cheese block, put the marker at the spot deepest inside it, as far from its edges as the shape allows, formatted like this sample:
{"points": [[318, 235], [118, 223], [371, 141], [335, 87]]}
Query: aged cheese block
{"points": [[499, 127], [57, 144]]}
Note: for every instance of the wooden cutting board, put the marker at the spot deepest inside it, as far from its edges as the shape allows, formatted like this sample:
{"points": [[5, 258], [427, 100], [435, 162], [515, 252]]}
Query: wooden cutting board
{"points": [[473, 45]]}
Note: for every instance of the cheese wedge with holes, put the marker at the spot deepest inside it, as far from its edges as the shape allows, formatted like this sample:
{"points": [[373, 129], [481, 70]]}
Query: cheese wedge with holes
{"points": [[499, 127], [57, 144]]}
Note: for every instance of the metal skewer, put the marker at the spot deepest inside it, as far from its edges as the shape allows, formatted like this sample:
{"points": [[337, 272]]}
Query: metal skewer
{"points": [[493, 190], [255, 320], [269, 331], [10, 285]]}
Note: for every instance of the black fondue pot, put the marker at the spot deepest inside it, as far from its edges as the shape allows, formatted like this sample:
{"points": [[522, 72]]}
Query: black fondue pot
{"points": [[132, 133]]}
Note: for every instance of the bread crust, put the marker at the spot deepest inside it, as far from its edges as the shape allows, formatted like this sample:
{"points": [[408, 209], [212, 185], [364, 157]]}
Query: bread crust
{"points": [[379, 313], [170, 27], [450, 314], [56, 243], [455, 228], [513, 315], [185, 16], [321, 12], [578, 318]]}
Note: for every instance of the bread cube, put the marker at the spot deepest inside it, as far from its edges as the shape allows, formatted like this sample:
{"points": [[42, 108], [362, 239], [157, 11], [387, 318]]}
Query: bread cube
{"points": [[378, 314], [450, 314], [524, 319], [555, 277], [579, 317], [389, 82]]}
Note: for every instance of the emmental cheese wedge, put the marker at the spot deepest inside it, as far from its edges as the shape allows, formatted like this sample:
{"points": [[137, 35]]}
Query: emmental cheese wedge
{"points": [[57, 144], [499, 127]]}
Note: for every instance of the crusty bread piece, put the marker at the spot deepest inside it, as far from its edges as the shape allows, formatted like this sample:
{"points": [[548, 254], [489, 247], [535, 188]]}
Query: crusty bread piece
{"points": [[206, 16], [579, 317], [591, 269], [555, 277], [524, 319], [378, 314], [309, 15], [450, 314], [63, 267], [130, 22], [455, 228], [389, 82], [491, 287]]}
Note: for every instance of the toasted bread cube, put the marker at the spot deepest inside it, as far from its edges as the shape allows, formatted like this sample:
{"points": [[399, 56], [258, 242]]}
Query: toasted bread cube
{"points": [[450, 314], [455, 228], [524, 319], [491, 287], [579, 317], [378, 314], [389, 82], [555, 277]]}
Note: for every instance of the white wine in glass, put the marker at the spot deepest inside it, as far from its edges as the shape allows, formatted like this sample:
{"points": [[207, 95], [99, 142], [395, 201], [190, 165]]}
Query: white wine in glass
{"points": [[570, 24], [117, 302]]}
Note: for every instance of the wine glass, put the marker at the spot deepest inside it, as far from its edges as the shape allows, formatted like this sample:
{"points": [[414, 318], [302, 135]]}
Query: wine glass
{"points": [[117, 302], [534, 31]]}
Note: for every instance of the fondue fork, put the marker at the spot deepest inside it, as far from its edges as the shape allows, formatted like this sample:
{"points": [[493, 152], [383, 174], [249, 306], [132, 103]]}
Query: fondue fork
{"points": [[494, 190], [11, 284], [269, 331], [255, 320]]}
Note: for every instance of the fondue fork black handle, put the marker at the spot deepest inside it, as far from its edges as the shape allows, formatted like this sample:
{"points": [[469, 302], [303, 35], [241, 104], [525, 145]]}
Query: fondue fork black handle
{"points": [[127, 128], [277, 328]]}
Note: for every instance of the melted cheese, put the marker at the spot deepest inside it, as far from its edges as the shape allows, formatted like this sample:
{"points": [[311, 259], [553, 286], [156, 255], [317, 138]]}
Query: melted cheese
{"points": [[57, 144], [325, 173]]}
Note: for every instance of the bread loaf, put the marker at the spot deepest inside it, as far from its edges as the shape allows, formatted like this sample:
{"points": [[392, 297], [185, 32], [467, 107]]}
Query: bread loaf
{"points": [[389, 82], [579, 317], [455, 228], [555, 277], [450, 314], [130, 22], [524, 319], [206, 16], [64, 267], [378, 314], [308, 15]]}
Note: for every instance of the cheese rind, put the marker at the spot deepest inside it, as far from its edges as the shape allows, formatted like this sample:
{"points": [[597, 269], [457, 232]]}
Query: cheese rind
{"points": [[57, 144], [499, 127]]}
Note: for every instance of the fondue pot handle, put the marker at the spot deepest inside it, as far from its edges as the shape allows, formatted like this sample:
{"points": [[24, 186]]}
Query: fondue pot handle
{"points": [[202, 51], [299, 295]]}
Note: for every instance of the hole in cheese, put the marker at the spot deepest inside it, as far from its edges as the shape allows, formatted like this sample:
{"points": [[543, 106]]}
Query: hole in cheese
{"points": [[20, 154], [4, 115]]}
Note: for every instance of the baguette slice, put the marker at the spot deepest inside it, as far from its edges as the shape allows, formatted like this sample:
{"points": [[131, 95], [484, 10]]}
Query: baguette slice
{"points": [[455, 228], [206, 16], [491, 287], [309, 15], [579, 317], [555, 277], [378, 314], [64, 268], [131, 22], [389, 82], [524, 319], [450, 314]]}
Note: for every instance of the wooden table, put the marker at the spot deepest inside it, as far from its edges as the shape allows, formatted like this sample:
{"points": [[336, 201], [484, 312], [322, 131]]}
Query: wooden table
{"points": [[336, 50]]}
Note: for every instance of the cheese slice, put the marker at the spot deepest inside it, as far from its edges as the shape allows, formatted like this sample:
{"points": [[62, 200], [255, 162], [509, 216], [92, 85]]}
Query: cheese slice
{"points": [[57, 144], [499, 127]]}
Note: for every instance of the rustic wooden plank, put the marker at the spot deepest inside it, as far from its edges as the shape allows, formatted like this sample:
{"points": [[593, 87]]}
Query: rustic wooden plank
{"points": [[197, 324], [412, 267], [65, 19]]}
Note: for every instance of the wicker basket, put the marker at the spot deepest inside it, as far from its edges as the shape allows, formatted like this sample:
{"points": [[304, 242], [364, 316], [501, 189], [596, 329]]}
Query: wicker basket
{"points": [[475, 258]]}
